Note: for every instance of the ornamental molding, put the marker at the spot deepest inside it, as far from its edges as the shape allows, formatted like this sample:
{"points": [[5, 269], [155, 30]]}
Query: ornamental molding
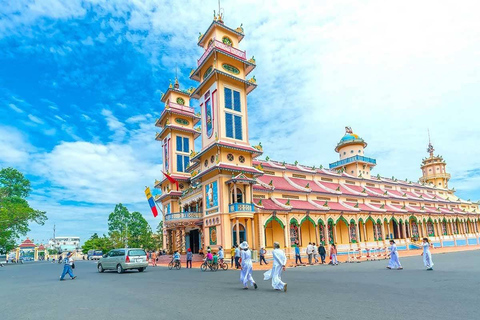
{"points": [[293, 184], [326, 188], [348, 206], [351, 190], [278, 203]]}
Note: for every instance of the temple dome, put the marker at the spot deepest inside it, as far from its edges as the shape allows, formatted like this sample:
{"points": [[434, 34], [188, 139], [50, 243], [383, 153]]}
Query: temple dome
{"points": [[350, 138]]}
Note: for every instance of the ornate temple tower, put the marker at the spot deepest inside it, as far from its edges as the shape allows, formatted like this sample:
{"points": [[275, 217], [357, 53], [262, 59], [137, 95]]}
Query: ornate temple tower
{"points": [[223, 168], [177, 136], [352, 160], [434, 169]]}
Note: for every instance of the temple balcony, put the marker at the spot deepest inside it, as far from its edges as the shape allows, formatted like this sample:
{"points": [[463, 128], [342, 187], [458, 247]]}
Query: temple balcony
{"points": [[356, 158], [176, 216], [222, 47], [241, 207]]}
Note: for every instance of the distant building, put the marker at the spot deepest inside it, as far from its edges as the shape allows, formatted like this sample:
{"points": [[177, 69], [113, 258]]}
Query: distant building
{"points": [[64, 243]]}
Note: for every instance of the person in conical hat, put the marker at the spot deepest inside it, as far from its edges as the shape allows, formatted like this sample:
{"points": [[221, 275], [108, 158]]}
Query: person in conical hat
{"points": [[246, 264], [279, 262]]}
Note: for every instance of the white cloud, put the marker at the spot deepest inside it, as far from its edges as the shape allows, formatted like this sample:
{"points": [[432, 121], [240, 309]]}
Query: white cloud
{"points": [[35, 119], [96, 173], [14, 149], [137, 118], [15, 108], [114, 125]]}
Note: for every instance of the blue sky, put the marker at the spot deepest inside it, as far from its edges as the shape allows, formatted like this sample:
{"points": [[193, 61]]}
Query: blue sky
{"points": [[80, 83]]}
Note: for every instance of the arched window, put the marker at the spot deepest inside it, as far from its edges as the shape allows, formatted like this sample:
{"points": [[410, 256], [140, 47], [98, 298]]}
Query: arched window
{"points": [[239, 196]]}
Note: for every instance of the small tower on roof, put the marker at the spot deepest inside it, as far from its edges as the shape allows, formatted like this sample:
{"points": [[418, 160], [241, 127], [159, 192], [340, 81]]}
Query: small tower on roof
{"points": [[352, 160], [434, 169]]}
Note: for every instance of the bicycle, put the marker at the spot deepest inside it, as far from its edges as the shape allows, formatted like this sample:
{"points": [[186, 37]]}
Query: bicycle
{"points": [[205, 265], [222, 264], [174, 264]]}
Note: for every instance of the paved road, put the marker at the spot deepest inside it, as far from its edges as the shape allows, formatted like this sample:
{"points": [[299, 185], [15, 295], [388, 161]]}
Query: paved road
{"points": [[349, 291]]}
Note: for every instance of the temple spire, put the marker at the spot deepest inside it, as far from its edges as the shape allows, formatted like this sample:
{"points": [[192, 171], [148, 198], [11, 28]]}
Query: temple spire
{"points": [[430, 148]]}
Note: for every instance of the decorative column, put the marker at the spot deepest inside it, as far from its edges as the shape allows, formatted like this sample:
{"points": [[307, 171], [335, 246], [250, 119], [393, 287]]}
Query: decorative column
{"points": [[182, 235], [237, 228], [287, 240], [382, 230], [234, 192], [253, 234], [389, 232], [325, 234], [358, 234], [398, 231], [334, 226], [364, 233]]}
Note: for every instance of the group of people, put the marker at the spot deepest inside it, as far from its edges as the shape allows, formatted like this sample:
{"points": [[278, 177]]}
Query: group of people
{"points": [[313, 251], [275, 274], [394, 262]]}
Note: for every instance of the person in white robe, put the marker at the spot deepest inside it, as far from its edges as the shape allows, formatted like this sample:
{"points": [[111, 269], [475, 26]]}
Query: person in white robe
{"points": [[394, 262], [246, 265], [279, 262], [427, 255]]}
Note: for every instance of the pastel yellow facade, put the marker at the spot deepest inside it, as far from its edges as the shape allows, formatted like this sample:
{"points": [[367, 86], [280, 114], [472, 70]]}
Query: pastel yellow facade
{"points": [[227, 195]]}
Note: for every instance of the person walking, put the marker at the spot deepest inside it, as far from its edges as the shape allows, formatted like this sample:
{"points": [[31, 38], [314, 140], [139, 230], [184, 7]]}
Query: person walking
{"points": [[309, 253], [394, 262], [333, 255], [189, 258], [246, 265], [322, 252], [232, 256], [315, 252], [237, 257], [263, 252], [153, 256], [427, 255], [298, 258], [67, 267], [278, 266]]}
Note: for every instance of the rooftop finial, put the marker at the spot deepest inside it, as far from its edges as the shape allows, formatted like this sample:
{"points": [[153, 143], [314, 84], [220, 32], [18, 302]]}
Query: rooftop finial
{"points": [[348, 130], [220, 13], [430, 148], [176, 85]]}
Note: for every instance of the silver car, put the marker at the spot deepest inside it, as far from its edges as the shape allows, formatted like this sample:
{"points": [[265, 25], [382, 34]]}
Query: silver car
{"points": [[123, 259]]}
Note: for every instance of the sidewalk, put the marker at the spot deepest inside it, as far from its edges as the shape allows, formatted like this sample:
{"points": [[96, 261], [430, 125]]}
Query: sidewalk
{"points": [[341, 258]]}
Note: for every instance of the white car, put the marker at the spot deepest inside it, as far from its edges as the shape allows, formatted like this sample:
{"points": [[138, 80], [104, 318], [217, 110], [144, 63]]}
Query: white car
{"points": [[3, 259]]}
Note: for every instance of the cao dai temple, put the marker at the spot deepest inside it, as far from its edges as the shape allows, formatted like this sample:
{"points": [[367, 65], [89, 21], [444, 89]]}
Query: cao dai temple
{"points": [[224, 194]]}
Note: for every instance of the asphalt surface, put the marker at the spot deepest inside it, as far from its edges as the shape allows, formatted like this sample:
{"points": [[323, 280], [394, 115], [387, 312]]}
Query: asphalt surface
{"points": [[349, 291]]}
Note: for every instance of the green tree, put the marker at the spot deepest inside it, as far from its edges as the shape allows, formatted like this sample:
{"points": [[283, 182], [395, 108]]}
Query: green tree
{"points": [[15, 212], [160, 234], [130, 228], [95, 242]]}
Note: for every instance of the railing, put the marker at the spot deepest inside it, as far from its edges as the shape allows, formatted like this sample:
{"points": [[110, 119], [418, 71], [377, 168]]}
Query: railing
{"points": [[352, 159], [224, 47], [183, 215], [241, 207], [181, 107]]}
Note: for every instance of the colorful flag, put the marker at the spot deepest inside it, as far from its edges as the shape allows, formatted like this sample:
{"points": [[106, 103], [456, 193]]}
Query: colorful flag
{"points": [[151, 202], [172, 180]]}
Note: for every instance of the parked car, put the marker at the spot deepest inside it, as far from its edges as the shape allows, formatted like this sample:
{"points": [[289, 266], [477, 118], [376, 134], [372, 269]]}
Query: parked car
{"points": [[123, 259], [94, 254], [3, 259]]}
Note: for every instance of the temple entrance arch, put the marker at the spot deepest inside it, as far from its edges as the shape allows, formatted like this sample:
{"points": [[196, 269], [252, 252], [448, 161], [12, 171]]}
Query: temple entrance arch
{"points": [[370, 229], [274, 232], [307, 231], [342, 231]]}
